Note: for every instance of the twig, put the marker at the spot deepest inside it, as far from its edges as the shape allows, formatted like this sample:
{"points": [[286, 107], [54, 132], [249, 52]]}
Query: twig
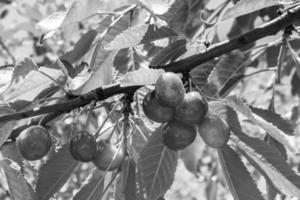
{"points": [[270, 28]]}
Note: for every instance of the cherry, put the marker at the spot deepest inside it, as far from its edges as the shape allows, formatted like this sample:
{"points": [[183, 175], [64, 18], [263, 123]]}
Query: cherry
{"points": [[177, 135], [34, 142], [83, 146], [192, 109], [155, 111], [105, 156], [214, 131], [169, 89]]}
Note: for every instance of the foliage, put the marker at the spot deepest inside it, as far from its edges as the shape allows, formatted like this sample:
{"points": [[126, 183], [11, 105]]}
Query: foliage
{"points": [[86, 66]]}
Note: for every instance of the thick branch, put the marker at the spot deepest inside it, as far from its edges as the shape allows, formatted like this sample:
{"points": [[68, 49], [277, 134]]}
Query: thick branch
{"points": [[185, 65], [98, 94]]}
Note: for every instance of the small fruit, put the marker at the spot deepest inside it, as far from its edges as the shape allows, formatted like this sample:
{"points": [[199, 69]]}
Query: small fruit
{"points": [[177, 135], [155, 111], [34, 142], [192, 109], [169, 89], [214, 131], [83, 146], [105, 156]]}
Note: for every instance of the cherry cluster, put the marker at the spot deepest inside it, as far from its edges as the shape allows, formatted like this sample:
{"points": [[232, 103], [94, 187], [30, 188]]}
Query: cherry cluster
{"points": [[182, 114]]}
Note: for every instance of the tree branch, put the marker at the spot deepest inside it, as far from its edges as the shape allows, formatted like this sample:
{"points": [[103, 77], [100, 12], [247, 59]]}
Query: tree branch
{"points": [[97, 94], [283, 21]]}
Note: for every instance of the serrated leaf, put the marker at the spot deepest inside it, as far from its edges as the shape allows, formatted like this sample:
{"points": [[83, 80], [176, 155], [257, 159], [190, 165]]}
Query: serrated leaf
{"points": [[274, 119], [81, 47], [270, 163], [157, 165], [239, 180], [170, 53], [54, 174], [238, 105], [158, 7], [200, 74], [92, 188], [7, 126], [244, 7], [52, 22], [18, 186], [139, 34], [128, 59], [226, 113], [228, 66], [27, 82], [9, 150], [143, 76]]}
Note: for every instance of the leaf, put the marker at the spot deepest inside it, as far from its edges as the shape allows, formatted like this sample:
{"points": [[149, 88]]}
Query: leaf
{"points": [[27, 82], [158, 7], [244, 7], [169, 54], [228, 66], [131, 186], [227, 114], [157, 165], [270, 163], [139, 34], [10, 151], [238, 179], [238, 105], [101, 75], [143, 76], [18, 186], [6, 127], [274, 119], [6, 74], [200, 74], [81, 47], [54, 174], [128, 59], [52, 22], [92, 188]]}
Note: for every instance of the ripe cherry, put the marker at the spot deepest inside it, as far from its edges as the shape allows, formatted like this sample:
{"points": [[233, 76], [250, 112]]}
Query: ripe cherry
{"points": [[83, 146], [106, 155], [169, 89], [177, 135], [34, 142], [192, 109], [155, 111], [214, 131]]}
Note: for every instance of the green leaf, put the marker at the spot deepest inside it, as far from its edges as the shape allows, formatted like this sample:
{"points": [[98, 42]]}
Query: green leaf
{"points": [[227, 113], [7, 126], [81, 47], [54, 174], [229, 66], [274, 119], [10, 151], [239, 180], [139, 34], [128, 59], [200, 74], [92, 188], [19, 188], [244, 7], [27, 82], [158, 7], [157, 165], [269, 161], [143, 76], [238, 105]]}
